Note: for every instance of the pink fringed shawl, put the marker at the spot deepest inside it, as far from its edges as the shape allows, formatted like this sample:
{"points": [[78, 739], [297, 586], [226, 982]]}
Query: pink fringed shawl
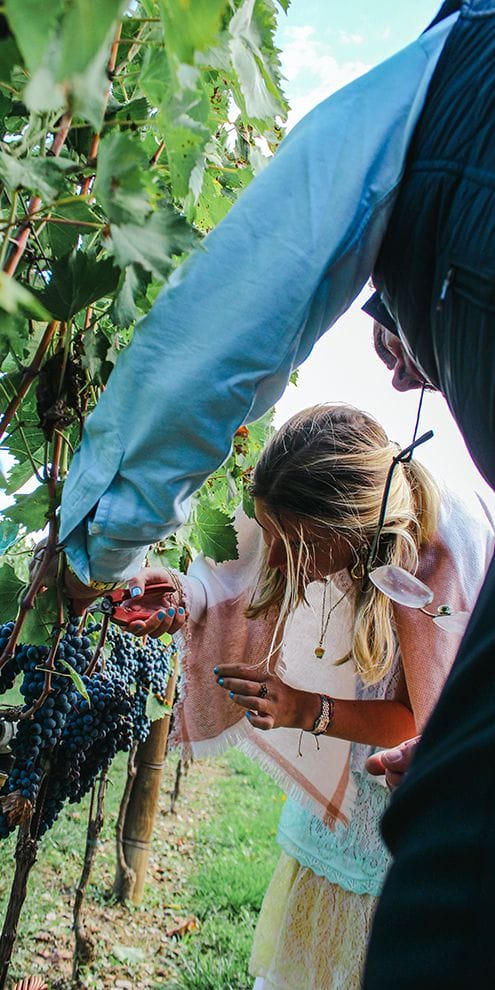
{"points": [[207, 721]]}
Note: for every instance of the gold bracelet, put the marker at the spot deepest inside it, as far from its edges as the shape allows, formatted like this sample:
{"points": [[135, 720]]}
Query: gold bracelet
{"points": [[103, 586]]}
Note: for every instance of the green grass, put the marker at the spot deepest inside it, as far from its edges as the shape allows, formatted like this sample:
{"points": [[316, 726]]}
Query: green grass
{"points": [[237, 853], [216, 856]]}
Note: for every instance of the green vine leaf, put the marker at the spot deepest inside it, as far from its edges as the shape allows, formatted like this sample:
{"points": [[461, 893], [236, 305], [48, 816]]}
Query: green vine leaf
{"points": [[11, 589], [68, 60], [23, 471], [75, 678], [8, 536], [156, 709], [33, 24], [14, 297], [86, 28], [248, 504], [190, 26], [44, 176], [120, 186], [150, 245], [77, 280], [99, 356], [259, 94], [133, 285], [63, 237], [38, 625], [167, 555], [30, 510], [215, 533]]}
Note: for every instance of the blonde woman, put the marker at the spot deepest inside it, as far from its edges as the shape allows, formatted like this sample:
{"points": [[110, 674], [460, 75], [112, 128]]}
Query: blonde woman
{"points": [[304, 641]]}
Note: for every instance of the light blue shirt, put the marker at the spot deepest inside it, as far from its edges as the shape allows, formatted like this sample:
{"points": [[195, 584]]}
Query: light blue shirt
{"points": [[218, 346]]}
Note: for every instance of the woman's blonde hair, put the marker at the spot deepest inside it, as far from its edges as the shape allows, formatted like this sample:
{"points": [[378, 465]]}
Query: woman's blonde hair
{"points": [[327, 466]]}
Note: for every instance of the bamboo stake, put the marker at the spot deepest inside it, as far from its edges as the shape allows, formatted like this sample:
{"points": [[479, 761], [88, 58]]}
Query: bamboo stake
{"points": [[142, 807]]}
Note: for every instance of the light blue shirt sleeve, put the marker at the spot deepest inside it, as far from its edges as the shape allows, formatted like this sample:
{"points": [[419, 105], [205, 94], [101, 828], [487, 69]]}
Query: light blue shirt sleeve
{"points": [[220, 342]]}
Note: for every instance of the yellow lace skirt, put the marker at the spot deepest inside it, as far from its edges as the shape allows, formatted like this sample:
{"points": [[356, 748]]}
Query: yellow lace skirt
{"points": [[311, 934]]}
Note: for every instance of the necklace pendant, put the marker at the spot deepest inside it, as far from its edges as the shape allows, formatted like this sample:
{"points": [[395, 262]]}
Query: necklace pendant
{"points": [[319, 652]]}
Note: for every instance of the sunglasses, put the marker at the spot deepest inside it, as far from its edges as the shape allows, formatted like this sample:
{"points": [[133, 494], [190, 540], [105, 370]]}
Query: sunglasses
{"points": [[395, 582]]}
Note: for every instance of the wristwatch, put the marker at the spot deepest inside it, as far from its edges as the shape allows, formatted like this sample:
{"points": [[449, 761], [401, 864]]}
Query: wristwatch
{"points": [[325, 718]]}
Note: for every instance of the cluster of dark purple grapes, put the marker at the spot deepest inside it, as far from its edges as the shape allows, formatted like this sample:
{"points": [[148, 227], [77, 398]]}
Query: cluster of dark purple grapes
{"points": [[145, 665], [9, 671], [70, 738], [94, 732]]}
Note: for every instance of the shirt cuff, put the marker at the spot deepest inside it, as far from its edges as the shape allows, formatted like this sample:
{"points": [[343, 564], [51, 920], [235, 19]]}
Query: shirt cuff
{"points": [[110, 561]]}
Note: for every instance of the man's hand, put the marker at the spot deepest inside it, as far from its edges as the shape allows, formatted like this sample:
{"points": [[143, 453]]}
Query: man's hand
{"points": [[81, 595], [394, 763]]}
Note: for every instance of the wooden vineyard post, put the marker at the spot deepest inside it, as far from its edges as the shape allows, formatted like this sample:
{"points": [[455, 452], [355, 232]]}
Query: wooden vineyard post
{"points": [[135, 832]]}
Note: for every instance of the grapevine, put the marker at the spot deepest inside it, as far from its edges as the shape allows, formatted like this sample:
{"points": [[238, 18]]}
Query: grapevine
{"points": [[126, 133], [73, 736]]}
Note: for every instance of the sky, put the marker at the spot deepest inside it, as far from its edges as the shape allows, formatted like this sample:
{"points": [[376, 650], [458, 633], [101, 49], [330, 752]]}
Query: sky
{"points": [[323, 47]]}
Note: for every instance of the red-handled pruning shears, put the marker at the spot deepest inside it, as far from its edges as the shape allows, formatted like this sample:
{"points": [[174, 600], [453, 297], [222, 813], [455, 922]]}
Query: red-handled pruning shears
{"points": [[122, 608]]}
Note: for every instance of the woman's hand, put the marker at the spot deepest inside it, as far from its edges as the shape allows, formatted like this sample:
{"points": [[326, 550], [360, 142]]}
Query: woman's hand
{"points": [[269, 702], [168, 610]]}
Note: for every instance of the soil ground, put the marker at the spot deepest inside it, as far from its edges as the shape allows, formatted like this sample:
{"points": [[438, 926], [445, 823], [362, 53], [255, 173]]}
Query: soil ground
{"points": [[196, 909]]}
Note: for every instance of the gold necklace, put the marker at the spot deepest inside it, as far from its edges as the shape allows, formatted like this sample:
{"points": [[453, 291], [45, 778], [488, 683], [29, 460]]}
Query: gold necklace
{"points": [[320, 649]]}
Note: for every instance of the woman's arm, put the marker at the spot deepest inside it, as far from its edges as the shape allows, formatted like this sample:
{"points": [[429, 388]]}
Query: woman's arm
{"points": [[375, 723]]}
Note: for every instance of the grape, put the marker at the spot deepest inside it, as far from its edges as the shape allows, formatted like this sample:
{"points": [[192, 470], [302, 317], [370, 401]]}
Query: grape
{"points": [[70, 738]]}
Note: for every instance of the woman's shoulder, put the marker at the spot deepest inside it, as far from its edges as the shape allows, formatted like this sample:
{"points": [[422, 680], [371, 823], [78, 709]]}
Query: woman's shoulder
{"points": [[460, 552], [465, 522]]}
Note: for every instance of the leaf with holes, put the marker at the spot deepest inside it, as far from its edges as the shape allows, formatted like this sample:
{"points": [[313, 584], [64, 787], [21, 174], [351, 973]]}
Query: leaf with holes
{"points": [[151, 245]]}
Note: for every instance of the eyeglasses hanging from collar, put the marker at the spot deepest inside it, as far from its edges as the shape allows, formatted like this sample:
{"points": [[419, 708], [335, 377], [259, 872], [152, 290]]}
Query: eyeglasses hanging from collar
{"points": [[395, 582]]}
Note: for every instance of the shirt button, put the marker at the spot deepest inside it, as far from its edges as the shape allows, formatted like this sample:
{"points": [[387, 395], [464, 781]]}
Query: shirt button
{"points": [[94, 529]]}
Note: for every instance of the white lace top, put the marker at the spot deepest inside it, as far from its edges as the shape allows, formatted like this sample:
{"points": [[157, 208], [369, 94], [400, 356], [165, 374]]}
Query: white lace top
{"points": [[353, 855]]}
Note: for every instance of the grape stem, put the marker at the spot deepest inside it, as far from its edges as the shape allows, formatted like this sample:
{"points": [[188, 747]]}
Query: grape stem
{"points": [[99, 646], [84, 950]]}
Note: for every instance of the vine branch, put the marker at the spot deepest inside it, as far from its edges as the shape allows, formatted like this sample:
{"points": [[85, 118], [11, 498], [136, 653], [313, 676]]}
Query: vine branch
{"points": [[21, 240]]}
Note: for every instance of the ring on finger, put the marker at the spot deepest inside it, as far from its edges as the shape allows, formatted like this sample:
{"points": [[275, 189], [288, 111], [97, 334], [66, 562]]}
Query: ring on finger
{"points": [[263, 691]]}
